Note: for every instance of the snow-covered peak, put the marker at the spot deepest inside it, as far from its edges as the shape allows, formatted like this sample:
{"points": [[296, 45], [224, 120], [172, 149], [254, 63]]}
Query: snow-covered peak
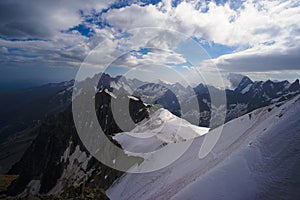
{"points": [[162, 82], [164, 125], [160, 129], [161, 115]]}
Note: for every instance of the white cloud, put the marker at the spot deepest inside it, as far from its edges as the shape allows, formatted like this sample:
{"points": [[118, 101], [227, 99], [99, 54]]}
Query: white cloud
{"points": [[165, 57], [155, 57], [252, 24]]}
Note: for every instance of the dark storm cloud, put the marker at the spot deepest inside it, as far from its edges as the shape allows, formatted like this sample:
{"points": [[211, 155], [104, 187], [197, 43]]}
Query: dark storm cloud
{"points": [[42, 19], [20, 19]]}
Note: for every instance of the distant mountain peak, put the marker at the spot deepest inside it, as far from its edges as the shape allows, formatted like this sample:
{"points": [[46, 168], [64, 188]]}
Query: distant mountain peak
{"points": [[296, 81], [295, 86], [244, 85], [163, 82], [246, 80], [201, 88], [235, 79]]}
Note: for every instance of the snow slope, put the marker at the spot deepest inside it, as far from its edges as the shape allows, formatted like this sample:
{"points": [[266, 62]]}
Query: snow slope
{"points": [[256, 157]]}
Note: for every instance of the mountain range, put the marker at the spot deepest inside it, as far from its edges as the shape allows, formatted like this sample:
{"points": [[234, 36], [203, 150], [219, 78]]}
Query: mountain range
{"points": [[55, 159]]}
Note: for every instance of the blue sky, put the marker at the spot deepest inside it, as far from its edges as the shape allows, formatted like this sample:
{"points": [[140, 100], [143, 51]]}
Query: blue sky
{"points": [[47, 41]]}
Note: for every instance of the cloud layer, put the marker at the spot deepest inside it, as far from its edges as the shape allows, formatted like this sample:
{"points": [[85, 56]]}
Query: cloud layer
{"points": [[264, 35]]}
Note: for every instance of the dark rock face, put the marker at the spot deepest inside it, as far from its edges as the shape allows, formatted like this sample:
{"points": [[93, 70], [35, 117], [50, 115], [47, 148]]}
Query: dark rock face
{"points": [[40, 160], [243, 84], [137, 110], [43, 159], [295, 86], [201, 89]]}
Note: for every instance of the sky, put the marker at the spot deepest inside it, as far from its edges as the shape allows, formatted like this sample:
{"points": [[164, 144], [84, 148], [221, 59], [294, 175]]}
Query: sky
{"points": [[177, 41]]}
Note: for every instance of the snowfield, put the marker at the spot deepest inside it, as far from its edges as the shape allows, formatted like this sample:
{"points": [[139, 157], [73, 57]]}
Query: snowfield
{"points": [[256, 157]]}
